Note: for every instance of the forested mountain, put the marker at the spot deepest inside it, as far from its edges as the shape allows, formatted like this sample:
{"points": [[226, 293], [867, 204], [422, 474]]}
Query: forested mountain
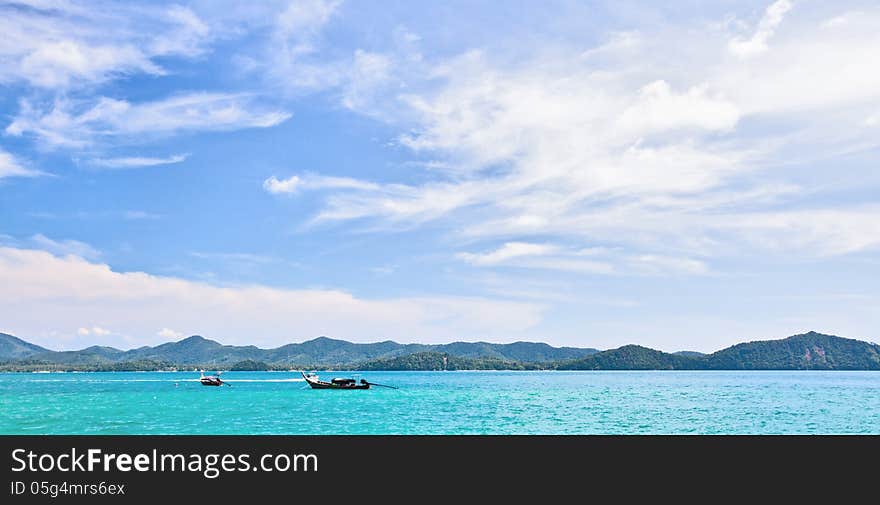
{"points": [[808, 351], [320, 352], [16, 348]]}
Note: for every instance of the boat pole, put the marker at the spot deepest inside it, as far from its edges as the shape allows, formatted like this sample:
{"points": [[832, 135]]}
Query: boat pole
{"points": [[382, 385]]}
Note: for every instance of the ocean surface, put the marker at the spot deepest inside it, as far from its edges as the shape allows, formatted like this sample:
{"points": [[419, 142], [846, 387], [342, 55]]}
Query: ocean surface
{"points": [[692, 402]]}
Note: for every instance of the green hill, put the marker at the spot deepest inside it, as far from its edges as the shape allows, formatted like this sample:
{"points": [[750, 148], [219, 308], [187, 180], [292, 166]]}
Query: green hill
{"points": [[631, 357], [321, 352], [690, 354], [427, 361], [328, 352], [250, 365], [12, 348], [533, 352], [194, 350], [809, 351]]}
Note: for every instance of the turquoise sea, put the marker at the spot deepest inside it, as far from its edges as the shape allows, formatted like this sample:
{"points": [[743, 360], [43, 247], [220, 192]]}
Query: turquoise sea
{"points": [[444, 403]]}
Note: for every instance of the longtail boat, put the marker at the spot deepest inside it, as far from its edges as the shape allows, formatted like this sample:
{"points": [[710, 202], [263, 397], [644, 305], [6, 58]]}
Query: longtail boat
{"points": [[317, 383]]}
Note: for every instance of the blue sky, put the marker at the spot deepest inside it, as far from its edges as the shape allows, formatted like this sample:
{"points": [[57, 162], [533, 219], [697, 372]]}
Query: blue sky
{"points": [[582, 173]]}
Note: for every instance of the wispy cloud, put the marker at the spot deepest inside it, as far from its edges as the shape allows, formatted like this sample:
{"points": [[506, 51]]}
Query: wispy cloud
{"points": [[62, 45], [97, 331], [137, 161], [506, 252], [278, 186], [290, 61], [169, 334], [69, 124], [592, 261], [186, 34], [11, 167], [307, 182], [618, 146], [757, 43], [64, 247]]}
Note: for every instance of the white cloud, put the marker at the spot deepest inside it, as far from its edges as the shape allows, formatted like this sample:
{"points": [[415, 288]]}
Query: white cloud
{"points": [[817, 232], [567, 264], [659, 109], [403, 203], [295, 33], [96, 331], [649, 263], [835, 62], [169, 334], [506, 252], [72, 45], [138, 161], [594, 261], [302, 20], [64, 247], [11, 167], [36, 287], [58, 64], [537, 143], [296, 183], [757, 43], [294, 62], [368, 72], [187, 33], [665, 144], [74, 125], [277, 186]]}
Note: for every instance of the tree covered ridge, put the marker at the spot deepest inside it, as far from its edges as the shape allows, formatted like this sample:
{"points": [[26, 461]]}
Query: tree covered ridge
{"points": [[808, 351], [319, 352]]}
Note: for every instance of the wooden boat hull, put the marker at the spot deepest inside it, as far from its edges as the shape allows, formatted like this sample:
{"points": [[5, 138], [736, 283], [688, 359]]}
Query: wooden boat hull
{"points": [[325, 385], [319, 384]]}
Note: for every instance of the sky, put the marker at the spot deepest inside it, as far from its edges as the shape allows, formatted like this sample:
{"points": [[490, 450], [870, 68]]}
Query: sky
{"points": [[583, 173]]}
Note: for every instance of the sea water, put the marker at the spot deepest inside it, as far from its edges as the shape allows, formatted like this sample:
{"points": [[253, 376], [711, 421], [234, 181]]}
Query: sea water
{"points": [[667, 402]]}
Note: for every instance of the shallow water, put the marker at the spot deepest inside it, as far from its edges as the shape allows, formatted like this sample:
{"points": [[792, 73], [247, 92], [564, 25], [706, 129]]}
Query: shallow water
{"points": [[803, 402]]}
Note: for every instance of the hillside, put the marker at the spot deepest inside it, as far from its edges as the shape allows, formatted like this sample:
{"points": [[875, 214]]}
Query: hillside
{"points": [[193, 350], [327, 351], [809, 351], [15, 348], [690, 354], [321, 352], [631, 357], [534, 352], [427, 361]]}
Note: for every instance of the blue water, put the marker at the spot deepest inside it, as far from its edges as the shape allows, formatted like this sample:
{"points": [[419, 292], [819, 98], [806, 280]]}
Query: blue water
{"points": [[445, 403]]}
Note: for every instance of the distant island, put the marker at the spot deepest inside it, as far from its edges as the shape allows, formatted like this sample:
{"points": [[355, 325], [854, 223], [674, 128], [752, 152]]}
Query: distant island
{"points": [[807, 351]]}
